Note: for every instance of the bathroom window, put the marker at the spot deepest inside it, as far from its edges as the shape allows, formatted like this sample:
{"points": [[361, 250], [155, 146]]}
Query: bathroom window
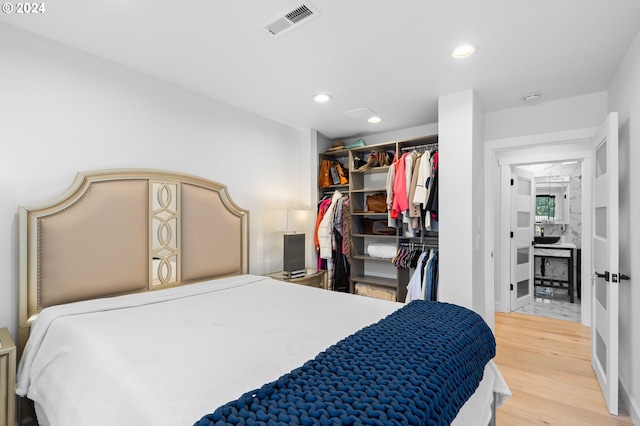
{"points": [[545, 207]]}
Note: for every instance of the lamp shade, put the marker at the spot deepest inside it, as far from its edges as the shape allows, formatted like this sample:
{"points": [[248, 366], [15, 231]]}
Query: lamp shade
{"points": [[293, 220]]}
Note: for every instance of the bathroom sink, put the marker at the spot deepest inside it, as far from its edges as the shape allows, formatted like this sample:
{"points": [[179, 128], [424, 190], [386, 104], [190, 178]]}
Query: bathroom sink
{"points": [[546, 240]]}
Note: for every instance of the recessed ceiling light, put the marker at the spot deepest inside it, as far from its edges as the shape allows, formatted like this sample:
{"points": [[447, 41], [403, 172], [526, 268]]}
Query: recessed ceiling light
{"points": [[464, 50], [374, 119], [322, 97]]}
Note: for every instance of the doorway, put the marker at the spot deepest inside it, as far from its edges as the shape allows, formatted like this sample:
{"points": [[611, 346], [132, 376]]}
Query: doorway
{"points": [[557, 234], [558, 147], [597, 147]]}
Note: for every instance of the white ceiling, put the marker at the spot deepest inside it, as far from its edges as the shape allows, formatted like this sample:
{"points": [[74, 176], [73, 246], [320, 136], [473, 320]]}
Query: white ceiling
{"points": [[392, 57]]}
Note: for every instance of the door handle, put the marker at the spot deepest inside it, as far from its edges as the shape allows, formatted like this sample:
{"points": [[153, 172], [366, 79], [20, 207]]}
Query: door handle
{"points": [[605, 275], [624, 277]]}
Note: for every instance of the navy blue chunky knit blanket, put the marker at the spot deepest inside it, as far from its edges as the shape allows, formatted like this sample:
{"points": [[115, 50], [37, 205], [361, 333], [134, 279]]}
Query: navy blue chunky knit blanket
{"points": [[417, 366]]}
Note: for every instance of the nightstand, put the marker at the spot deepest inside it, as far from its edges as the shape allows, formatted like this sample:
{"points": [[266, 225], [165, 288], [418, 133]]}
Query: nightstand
{"points": [[7, 379], [314, 278]]}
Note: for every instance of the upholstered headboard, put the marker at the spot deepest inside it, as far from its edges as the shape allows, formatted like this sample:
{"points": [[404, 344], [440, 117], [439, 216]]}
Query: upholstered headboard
{"points": [[125, 231]]}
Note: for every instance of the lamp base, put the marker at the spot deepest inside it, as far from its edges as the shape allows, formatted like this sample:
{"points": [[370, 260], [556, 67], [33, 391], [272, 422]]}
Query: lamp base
{"points": [[294, 253]]}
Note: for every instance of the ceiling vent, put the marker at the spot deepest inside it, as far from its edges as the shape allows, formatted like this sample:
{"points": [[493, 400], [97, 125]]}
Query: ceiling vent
{"points": [[360, 113], [290, 19]]}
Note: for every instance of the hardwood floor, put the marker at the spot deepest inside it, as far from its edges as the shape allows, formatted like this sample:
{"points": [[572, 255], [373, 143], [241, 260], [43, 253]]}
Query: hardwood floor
{"points": [[547, 364]]}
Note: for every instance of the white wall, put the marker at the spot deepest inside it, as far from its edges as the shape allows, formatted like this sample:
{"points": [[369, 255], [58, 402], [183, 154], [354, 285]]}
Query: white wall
{"points": [[63, 111], [482, 292], [545, 117], [460, 206], [624, 97]]}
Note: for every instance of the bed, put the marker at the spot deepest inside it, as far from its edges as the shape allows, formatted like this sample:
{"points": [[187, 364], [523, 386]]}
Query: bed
{"points": [[137, 307]]}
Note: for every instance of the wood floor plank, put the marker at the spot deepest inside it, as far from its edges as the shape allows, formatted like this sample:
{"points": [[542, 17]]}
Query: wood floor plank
{"points": [[547, 364]]}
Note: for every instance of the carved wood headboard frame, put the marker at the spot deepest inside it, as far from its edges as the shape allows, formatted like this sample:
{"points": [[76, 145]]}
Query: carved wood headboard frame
{"points": [[125, 231]]}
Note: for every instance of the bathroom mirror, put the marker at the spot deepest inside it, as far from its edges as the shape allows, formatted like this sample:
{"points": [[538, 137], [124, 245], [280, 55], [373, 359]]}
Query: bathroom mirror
{"points": [[552, 199]]}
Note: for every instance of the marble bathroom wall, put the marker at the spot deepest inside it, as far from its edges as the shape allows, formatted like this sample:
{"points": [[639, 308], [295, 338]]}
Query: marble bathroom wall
{"points": [[556, 268], [572, 231]]}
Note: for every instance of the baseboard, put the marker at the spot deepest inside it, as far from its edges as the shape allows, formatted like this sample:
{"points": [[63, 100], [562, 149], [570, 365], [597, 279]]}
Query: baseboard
{"points": [[497, 307], [629, 404]]}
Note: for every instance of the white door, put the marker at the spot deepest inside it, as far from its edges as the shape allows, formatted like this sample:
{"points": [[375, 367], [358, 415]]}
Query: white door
{"points": [[523, 199], [605, 281]]}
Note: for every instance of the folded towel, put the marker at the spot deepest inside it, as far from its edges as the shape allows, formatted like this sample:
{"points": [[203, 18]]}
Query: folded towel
{"points": [[382, 250]]}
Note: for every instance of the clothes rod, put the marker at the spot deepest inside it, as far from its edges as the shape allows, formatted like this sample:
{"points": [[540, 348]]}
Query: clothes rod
{"points": [[420, 245], [427, 145]]}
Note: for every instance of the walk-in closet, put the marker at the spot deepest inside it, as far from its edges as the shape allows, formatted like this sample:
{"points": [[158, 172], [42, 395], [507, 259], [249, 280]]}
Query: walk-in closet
{"points": [[384, 219]]}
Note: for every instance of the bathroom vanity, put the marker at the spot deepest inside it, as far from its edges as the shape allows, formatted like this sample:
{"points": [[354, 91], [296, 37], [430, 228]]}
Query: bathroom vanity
{"points": [[544, 276]]}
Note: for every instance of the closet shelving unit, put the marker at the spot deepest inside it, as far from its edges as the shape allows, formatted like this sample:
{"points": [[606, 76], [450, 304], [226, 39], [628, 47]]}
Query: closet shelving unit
{"points": [[364, 268], [362, 184]]}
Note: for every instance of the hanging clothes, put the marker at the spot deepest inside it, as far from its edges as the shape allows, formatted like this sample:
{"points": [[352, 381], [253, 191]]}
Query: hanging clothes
{"points": [[432, 203], [423, 283], [341, 272], [408, 230], [326, 226], [414, 209], [414, 288], [400, 203], [334, 250], [348, 248], [434, 277], [429, 282], [412, 195], [338, 215], [391, 175], [406, 257], [323, 205], [341, 267], [421, 194]]}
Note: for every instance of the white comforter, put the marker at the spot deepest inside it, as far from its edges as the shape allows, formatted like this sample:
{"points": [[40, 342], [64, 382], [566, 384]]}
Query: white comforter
{"points": [[168, 357]]}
